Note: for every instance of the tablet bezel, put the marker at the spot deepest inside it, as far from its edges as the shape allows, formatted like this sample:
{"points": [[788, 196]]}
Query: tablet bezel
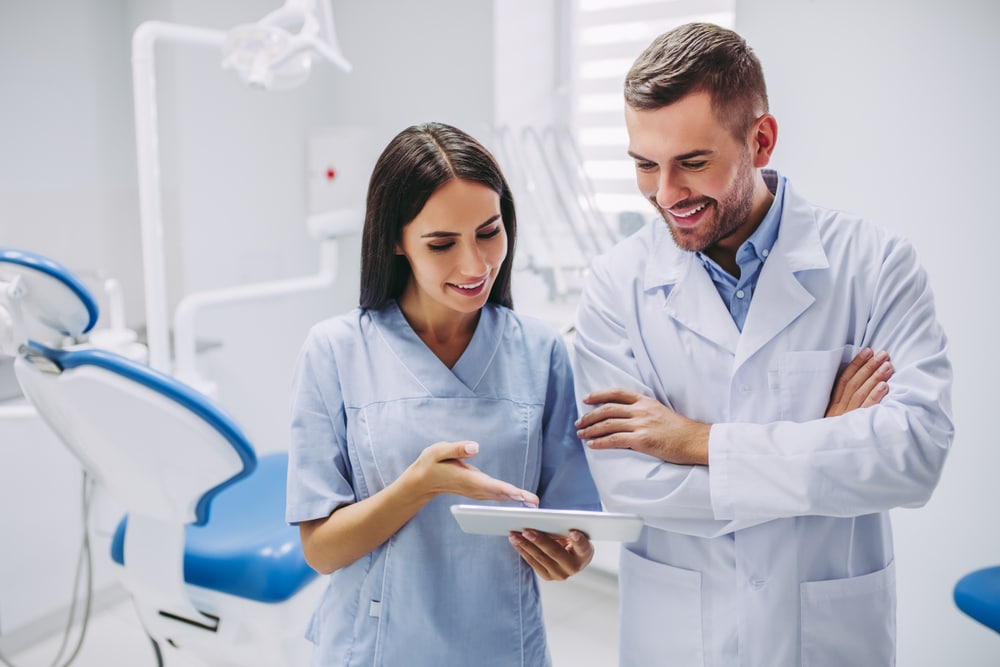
{"points": [[496, 520]]}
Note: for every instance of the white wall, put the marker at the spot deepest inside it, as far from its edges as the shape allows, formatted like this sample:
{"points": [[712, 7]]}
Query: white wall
{"points": [[531, 71], [889, 109], [67, 166]]}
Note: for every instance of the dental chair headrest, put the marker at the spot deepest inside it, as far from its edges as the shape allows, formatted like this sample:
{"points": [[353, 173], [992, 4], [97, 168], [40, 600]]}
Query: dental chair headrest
{"points": [[40, 298]]}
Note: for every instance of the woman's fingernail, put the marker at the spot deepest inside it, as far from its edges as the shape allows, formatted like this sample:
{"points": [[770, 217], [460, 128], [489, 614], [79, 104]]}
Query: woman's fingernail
{"points": [[471, 447], [530, 534], [514, 539]]}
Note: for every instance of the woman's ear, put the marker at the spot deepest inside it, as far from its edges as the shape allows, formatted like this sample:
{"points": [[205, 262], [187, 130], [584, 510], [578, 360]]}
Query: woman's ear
{"points": [[399, 249]]}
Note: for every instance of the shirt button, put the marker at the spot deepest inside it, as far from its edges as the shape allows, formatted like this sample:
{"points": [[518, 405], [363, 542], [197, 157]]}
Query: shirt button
{"points": [[745, 388], [740, 294], [765, 252], [757, 584]]}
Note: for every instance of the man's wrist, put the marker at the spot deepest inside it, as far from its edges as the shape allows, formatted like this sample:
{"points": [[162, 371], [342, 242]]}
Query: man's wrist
{"points": [[697, 443]]}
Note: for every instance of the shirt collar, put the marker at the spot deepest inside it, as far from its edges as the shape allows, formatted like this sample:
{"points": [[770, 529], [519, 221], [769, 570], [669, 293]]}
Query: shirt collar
{"points": [[763, 238]]}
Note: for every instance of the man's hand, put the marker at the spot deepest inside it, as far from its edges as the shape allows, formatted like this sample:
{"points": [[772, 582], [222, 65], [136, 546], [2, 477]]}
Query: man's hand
{"points": [[863, 383], [627, 420]]}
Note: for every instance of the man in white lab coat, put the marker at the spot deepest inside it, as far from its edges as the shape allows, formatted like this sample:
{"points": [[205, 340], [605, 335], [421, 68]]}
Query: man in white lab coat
{"points": [[706, 350]]}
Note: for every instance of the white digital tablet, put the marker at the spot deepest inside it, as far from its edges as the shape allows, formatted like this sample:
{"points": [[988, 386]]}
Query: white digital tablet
{"points": [[492, 520]]}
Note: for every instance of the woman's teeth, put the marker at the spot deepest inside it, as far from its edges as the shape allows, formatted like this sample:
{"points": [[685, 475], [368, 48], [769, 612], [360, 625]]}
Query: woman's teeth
{"points": [[473, 286]]}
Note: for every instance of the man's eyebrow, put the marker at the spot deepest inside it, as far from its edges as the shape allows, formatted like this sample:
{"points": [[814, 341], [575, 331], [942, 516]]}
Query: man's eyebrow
{"points": [[450, 234], [702, 152]]}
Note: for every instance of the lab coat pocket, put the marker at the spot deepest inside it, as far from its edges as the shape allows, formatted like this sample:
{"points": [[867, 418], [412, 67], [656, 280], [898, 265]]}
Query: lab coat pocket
{"points": [[660, 614], [850, 621], [806, 379]]}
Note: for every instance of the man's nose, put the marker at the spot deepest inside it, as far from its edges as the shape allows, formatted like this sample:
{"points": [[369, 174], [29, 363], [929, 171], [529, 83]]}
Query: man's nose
{"points": [[670, 189]]}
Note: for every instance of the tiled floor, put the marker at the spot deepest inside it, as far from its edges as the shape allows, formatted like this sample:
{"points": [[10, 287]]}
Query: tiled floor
{"points": [[581, 617]]}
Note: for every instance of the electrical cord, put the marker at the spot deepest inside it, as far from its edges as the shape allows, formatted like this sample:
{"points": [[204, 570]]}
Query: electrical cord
{"points": [[84, 566]]}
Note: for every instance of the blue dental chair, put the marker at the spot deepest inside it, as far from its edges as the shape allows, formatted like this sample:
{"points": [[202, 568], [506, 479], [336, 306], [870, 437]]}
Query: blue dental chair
{"points": [[977, 594], [204, 551]]}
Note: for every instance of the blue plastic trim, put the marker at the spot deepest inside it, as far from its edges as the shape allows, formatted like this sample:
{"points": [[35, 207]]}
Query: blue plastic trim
{"points": [[978, 595], [171, 388], [247, 549], [59, 272]]}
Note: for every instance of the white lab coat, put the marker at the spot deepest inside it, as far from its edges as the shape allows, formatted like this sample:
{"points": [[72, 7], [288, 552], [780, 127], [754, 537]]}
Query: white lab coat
{"points": [[779, 552]]}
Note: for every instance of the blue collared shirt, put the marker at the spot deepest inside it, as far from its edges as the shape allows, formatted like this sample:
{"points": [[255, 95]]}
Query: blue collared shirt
{"points": [[737, 292]]}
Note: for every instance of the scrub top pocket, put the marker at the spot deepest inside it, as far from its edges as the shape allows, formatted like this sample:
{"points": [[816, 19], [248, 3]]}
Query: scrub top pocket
{"points": [[396, 432]]}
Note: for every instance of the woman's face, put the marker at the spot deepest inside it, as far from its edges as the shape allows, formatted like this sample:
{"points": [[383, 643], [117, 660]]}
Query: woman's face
{"points": [[455, 247]]}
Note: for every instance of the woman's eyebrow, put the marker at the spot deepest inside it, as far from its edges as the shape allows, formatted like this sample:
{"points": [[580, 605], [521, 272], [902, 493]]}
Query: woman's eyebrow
{"points": [[449, 234]]}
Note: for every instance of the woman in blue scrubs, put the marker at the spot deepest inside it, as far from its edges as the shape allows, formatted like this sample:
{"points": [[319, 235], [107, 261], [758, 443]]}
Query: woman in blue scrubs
{"points": [[433, 392]]}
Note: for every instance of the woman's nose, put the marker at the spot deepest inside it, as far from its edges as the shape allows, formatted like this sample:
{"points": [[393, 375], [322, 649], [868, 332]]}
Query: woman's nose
{"points": [[473, 262]]}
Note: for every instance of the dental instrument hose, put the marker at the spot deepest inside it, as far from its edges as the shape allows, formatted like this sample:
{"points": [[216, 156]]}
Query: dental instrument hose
{"points": [[85, 562]]}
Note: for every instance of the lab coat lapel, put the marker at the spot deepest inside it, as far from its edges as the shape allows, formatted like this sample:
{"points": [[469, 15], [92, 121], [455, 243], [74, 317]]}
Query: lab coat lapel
{"points": [[692, 299], [780, 297]]}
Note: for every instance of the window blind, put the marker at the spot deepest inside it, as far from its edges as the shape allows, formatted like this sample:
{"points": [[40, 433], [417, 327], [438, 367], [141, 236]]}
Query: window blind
{"points": [[608, 36]]}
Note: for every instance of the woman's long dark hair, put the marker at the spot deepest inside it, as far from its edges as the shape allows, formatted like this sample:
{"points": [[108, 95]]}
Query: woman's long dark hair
{"points": [[417, 162]]}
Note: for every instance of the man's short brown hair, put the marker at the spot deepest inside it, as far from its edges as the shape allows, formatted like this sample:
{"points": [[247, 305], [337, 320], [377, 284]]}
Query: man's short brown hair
{"points": [[700, 57]]}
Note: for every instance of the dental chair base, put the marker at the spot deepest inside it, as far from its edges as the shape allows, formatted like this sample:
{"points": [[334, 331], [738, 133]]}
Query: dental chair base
{"points": [[247, 634]]}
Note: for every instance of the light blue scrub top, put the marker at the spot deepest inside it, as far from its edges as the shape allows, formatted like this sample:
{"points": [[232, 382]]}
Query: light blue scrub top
{"points": [[368, 397]]}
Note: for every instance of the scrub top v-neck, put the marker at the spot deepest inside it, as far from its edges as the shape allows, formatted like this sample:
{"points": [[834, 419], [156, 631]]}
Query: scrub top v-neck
{"points": [[419, 358], [368, 397]]}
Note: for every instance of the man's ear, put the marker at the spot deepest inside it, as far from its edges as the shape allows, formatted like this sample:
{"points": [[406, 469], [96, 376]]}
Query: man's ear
{"points": [[763, 139]]}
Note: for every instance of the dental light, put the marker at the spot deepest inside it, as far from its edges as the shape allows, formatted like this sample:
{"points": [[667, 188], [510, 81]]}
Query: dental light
{"points": [[277, 51], [274, 53]]}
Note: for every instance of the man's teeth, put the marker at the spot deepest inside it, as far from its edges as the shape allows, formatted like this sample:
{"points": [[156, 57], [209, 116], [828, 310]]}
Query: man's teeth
{"points": [[691, 212]]}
